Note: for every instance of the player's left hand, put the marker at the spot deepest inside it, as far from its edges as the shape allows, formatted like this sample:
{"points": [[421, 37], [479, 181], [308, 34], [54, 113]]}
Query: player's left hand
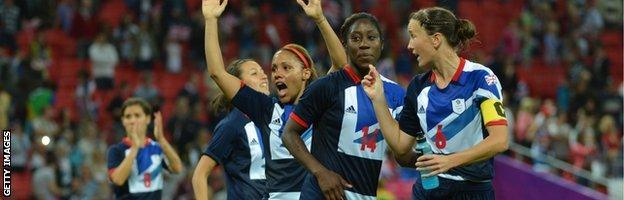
{"points": [[436, 164], [313, 9], [158, 127]]}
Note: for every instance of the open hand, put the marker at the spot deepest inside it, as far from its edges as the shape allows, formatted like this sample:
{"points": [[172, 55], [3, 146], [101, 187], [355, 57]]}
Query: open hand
{"points": [[313, 9], [213, 8], [134, 136], [158, 126]]}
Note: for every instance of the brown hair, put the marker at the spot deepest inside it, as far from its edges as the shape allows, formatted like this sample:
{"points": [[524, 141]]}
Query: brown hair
{"points": [[305, 58], [220, 103], [147, 108], [458, 32]]}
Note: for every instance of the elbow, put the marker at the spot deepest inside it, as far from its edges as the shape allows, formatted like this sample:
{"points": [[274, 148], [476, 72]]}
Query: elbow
{"points": [[178, 168], [504, 146], [117, 181]]}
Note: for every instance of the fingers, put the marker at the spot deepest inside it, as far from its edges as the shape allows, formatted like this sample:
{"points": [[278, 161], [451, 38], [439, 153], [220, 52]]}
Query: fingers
{"points": [[425, 157], [301, 3], [224, 3], [345, 183]]}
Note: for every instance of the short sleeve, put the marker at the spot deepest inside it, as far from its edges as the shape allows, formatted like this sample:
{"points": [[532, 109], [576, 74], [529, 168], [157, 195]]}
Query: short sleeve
{"points": [[257, 106], [408, 118], [220, 147], [115, 156], [488, 86], [316, 99]]}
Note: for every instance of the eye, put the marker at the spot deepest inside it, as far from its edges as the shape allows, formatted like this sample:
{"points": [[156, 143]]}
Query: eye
{"points": [[355, 38], [372, 37], [273, 68]]}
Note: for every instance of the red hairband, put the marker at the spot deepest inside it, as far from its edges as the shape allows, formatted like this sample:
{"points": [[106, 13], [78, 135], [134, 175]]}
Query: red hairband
{"points": [[299, 54]]}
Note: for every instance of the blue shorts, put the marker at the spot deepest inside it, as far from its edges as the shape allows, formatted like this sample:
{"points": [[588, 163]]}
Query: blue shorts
{"points": [[456, 190]]}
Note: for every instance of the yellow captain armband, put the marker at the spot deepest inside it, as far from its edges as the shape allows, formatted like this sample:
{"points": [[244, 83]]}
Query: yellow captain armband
{"points": [[493, 112]]}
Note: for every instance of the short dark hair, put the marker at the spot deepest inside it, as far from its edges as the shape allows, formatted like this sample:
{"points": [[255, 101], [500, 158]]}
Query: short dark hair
{"points": [[147, 108], [344, 29], [458, 32]]}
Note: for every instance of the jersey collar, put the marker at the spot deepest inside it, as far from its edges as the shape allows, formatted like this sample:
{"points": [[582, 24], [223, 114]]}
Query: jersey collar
{"points": [[352, 75], [457, 76], [127, 141]]}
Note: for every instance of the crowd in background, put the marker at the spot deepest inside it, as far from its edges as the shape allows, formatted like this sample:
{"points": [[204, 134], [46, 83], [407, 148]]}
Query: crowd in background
{"points": [[581, 124]]}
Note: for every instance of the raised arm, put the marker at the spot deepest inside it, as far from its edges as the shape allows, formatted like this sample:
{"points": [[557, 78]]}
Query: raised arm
{"points": [[228, 83], [399, 142], [336, 51]]}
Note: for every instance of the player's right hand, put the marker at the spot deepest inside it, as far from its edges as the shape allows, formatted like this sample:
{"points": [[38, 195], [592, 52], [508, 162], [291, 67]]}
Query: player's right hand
{"points": [[332, 185], [313, 9], [134, 136], [372, 84], [213, 8]]}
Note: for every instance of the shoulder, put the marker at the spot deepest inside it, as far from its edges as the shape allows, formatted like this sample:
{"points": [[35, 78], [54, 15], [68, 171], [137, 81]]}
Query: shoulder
{"points": [[392, 86], [418, 82], [477, 71]]}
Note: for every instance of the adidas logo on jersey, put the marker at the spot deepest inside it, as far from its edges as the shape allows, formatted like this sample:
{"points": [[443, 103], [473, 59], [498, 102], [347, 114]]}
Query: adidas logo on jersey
{"points": [[351, 110], [276, 121], [421, 109], [254, 142]]}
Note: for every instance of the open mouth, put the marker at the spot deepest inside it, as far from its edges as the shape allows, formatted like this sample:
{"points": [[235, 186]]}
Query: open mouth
{"points": [[281, 89]]}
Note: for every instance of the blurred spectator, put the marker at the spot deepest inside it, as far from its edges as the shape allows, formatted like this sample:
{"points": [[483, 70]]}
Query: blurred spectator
{"points": [[145, 48], [84, 26], [65, 10], [125, 38], [44, 179], [551, 43], [183, 127], [20, 147], [45, 125], [40, 98], [104, 57], [174, 55], [84, 91], [5, 108], [523, 122], [9, 21], [40, 54], [147, 90], [611, 141], [191, 89]]}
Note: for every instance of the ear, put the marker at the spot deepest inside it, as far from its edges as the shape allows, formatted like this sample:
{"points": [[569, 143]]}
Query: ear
{"points": [[306, 74], [436, 39]]}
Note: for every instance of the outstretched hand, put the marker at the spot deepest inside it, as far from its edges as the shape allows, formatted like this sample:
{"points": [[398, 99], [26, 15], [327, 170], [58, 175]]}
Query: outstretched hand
{"points": [[372, 84], [313, 9], [213, 8], [158, 127]]}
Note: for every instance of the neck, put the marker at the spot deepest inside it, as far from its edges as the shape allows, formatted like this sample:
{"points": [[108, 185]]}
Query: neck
{"points": [[361, 71], [300, 93], [445, 66]]}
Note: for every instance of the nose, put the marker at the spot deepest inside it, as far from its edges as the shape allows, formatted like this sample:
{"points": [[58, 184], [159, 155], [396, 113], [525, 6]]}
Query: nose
{"points": [[364, 45], [409, 46]]}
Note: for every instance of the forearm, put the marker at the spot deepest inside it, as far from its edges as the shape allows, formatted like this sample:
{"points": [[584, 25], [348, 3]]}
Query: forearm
{"points": [[297, 148], [229, 84], [175, 163], [121, 172], [334, 46], [389, 127], [200, 179], [408, 159], [486, 149]]}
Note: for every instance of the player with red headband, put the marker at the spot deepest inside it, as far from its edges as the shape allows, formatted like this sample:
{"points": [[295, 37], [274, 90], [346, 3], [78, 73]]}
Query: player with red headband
{"points": [[292, 70]]}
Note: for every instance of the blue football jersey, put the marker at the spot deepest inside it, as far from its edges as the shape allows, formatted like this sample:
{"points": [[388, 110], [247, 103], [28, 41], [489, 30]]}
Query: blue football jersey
{"points": [[285, 175], [237, 146], [347, 137]]}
